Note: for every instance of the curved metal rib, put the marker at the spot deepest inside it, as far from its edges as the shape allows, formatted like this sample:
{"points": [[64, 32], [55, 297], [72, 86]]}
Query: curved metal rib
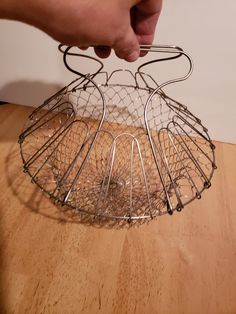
{"points": [[112, 161], [167, 49], [91, 146], [67, 52]]}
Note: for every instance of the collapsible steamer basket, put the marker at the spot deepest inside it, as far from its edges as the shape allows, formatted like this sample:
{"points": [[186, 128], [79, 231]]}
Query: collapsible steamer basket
{"points": [[117, 150]]}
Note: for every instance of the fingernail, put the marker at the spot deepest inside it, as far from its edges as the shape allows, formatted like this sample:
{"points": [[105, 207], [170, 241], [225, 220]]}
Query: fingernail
{"points": [[133, 56]]}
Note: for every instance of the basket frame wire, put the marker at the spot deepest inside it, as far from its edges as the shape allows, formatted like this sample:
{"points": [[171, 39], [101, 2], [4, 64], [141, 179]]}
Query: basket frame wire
{"points": [[173, 133]]}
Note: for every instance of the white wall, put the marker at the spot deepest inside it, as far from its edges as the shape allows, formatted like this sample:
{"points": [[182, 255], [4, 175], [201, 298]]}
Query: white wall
{"points": [[207, 30], [32, 69]]}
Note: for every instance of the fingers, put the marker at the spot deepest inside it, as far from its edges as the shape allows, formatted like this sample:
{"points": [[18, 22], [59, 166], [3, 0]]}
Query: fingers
{"points": [[145, 28], [102, 51], [143, 19], [129, 27], [149, 7], [145, 16], [127, 46], [83, 47]]}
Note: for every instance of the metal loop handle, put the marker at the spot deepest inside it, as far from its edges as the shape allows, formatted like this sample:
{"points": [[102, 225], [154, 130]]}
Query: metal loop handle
{"points": [[168, 49], [66, 50]]}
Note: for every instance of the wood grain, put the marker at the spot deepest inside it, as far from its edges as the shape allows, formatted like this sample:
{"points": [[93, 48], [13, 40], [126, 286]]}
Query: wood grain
{"points": [[54, 263]]}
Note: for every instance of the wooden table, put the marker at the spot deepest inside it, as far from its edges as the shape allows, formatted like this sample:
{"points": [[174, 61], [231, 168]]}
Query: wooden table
{"points": [[185, 263]]}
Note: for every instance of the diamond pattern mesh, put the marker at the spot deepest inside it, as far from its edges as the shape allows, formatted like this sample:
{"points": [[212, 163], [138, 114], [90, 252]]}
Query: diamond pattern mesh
{"points": [[91, 149]]}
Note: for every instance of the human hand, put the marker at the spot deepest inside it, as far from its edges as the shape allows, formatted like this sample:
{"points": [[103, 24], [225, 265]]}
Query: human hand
{"points": [[108, 24], [141, 27]]}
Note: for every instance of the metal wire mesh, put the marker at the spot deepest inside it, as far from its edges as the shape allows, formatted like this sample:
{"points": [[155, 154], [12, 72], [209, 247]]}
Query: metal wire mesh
{"points": [[116, 150]]}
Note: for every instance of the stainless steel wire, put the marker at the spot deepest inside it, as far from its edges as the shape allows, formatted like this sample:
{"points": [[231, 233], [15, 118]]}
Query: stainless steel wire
{"points": [[116, 150]]}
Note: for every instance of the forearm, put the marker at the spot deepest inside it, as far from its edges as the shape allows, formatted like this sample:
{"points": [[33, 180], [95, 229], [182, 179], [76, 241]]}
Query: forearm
{"points": [[87, 23], [32, 12]]}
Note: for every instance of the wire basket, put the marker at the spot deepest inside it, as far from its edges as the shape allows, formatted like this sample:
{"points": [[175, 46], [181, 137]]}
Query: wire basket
{"points": [[118, 150]]}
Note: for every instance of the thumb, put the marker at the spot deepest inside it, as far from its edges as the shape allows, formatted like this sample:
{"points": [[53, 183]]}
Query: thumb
{"points": [[127, 46]]}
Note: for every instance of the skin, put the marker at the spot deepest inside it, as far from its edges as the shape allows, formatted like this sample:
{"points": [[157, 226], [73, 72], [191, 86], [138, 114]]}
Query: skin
{"points": [[121, 25]]}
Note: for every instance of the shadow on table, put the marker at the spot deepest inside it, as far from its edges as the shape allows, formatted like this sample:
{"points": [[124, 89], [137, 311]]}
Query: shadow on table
{"points": [[28, 92], [36, 201]]}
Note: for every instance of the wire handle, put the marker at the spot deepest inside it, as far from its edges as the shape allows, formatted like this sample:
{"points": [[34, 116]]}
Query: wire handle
{"points": [[66, 50], [166, 49]]}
